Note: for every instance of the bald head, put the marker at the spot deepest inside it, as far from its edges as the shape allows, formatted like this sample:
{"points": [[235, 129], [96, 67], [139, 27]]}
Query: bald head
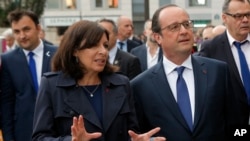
{"points": [[125, 27], [219, 29]]}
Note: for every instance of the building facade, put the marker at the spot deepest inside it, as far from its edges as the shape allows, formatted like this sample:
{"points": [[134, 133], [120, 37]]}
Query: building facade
{"points": [[59, 14]]}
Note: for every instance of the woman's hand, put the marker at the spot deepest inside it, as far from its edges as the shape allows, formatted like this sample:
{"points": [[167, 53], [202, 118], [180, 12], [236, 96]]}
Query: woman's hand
{"points": [[79, 132], [146, 136]]}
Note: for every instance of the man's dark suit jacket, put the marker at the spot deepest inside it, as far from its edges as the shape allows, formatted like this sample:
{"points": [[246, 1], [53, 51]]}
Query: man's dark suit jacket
{"points": [[157, 107], [141, 53], [137, 40], [128, 63], [219, 48], [18, 95], [131, 44], [60, 99]]}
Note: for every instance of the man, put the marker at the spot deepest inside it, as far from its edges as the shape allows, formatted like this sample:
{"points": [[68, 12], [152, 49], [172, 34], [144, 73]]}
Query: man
{"points": [[218, 29], [207, 32], [21, 72], [42, 36], [236, 17], [10, 40], [149, 53], [189, 106], [128, 63], [125, 30]]}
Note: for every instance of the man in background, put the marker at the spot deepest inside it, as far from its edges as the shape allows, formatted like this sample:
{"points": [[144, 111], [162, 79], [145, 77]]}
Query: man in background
{"points": [[128, 64], [149, 53], [225, 47], [10, 40], [125, 30], [21, 71]]}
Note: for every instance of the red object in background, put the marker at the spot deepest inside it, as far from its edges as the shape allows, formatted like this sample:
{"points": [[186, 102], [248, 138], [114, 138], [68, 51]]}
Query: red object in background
{"points": [[2, 45]]}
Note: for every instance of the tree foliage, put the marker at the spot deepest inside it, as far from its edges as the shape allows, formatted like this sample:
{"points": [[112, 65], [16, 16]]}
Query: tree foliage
{"points": [[6, 6]]}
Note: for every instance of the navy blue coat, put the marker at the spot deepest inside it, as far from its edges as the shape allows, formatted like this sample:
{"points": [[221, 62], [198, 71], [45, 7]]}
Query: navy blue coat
{"points": [[18, 95], [60, 99], [156, 105]]}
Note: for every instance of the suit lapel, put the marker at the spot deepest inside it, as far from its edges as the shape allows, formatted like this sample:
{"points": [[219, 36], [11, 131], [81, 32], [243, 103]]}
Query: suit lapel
{"points": [[164, 91], [200, 82], [229, 57], [144, 57], [23, 60], [117, 60], [47, 54]]}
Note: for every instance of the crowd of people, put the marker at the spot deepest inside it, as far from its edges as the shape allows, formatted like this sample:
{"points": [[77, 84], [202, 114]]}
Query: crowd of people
{"points": [[103, 84]]}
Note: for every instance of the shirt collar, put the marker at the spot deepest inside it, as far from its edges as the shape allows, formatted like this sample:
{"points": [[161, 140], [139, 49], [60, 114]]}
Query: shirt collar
{"points": [[169, 66], [37, 51], [231, 39]]}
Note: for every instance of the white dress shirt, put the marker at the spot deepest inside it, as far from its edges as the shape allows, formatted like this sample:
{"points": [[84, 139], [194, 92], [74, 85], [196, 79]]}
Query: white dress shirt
{"points": [[38, 57], [188, 75]]}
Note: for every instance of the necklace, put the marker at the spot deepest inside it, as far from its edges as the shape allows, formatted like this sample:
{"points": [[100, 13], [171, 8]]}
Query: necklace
{"points": [[91, 94]]}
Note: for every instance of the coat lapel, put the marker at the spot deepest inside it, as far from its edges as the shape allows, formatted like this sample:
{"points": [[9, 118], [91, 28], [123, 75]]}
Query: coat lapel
{"points": [[75, 100], [47, 55], [113, 100], [200, 82], [23, 60]]}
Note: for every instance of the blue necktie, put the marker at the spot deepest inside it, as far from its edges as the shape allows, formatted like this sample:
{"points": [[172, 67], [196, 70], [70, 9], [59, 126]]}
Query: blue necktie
{"points": [[183, 98], [32, 66], [121, 45], [244, 69]]}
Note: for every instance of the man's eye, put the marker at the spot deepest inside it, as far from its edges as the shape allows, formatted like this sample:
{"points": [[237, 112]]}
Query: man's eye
{"points": [[175, 26], [238, 16]]}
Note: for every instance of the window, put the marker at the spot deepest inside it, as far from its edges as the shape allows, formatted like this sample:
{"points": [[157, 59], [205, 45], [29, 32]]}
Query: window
{"points": [[106, 3], [61, 4], [70, 4], [198, 3]]}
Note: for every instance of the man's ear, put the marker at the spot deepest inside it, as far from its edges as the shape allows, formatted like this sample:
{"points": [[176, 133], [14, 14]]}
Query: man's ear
{"points": [[157, 38]]}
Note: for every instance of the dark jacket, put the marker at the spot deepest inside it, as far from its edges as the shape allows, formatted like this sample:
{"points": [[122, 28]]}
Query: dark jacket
{"points": [[61, 98], [18, 94]]}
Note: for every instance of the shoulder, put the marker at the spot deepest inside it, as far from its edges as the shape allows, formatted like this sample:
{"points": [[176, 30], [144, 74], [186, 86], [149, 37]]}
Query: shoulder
{"points": [[10, 55], [138, 49], [209, 61], [50, 47], [127, 55], [216, 40], [51, 74], [133, 43]]}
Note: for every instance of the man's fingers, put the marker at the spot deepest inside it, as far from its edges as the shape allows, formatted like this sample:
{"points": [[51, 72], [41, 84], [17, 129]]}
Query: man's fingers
{"points": [[153, 131], [132, 134]]}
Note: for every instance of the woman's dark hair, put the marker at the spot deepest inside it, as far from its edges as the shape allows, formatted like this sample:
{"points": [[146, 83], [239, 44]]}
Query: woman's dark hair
{"points": [[81, 35]]}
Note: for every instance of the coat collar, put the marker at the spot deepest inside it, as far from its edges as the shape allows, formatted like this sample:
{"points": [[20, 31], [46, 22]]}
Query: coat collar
{"points": [[112, 99]]}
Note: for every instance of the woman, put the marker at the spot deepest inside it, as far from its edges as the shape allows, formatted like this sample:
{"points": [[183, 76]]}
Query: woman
{"points": [[83, 98]]}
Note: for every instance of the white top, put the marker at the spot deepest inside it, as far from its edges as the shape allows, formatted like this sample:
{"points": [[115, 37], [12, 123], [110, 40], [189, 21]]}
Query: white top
{"points": [[188, 76], [152, 60], [112, 54]]}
